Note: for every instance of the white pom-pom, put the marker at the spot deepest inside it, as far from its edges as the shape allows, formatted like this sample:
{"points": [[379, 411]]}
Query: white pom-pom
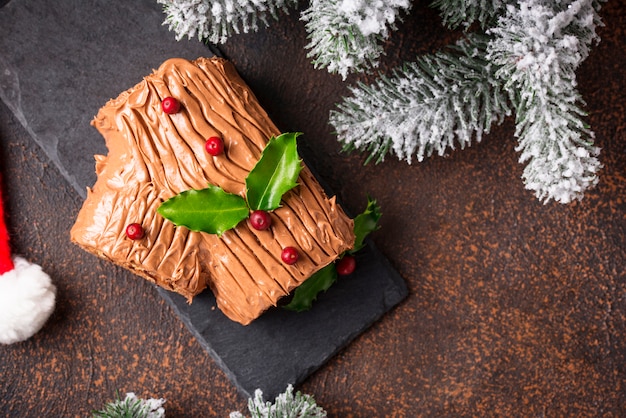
{"points": [[27, 298]]}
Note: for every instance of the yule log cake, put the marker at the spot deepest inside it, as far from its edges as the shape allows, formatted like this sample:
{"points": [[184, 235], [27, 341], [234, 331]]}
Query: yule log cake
{"points": [[156, 152]]}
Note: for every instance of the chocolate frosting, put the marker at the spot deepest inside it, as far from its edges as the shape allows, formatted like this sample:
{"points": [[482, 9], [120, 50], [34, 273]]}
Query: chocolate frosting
{"points": [[153, 156]]}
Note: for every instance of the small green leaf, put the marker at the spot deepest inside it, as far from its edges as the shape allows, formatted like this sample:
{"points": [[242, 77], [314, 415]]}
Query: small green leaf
{"points": [[209, 210], [365, 223], [274, 174], [306, 293]]}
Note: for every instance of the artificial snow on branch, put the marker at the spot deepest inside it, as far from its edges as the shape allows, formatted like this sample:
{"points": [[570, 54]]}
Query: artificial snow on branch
{"points": [[286, 405], [346, 36], [527, 62], [132, 407], [216, 21], [426, 106], [538, 49]]}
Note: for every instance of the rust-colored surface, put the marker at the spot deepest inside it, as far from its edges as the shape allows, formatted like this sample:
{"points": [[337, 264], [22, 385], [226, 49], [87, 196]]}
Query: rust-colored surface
{"points": [[515, 309]]}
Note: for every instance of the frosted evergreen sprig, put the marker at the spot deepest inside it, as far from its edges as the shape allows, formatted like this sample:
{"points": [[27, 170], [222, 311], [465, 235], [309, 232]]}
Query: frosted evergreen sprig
{"points": [[539, 48], [443, 98], [346, 36], [286, 405], [132, 407], [216, 21]]}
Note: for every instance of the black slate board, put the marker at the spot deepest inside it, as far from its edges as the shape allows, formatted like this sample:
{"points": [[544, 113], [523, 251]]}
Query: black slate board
{"points": [[283, 347], [59, 63]]}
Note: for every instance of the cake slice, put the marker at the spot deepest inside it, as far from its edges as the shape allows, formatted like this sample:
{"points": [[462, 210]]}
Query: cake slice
{"points": [[153, 156]]}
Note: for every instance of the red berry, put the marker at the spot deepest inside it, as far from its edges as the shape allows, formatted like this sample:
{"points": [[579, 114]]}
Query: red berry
{"points": [[260, 220], [134, 231], [346, 265], [289, 255], [170, 105], [214, 146]]}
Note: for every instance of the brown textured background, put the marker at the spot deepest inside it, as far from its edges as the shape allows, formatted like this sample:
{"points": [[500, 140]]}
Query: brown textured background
{"points": [[515, 309]]}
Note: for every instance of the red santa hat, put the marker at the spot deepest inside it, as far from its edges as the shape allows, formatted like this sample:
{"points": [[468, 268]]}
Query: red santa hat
{"points": [[27, 295]]}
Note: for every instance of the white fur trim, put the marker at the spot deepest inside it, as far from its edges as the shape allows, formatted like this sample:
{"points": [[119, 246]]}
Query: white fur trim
{"points": [[27, 298]]}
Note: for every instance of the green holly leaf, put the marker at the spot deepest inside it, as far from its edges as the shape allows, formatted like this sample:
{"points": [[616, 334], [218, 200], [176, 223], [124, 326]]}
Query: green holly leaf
{"points": [[274, 174], [365, 223], [209, 210], [306, 293]]}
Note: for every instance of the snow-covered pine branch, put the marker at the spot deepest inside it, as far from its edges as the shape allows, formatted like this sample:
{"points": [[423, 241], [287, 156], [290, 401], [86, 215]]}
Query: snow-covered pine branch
{"points": [[346, 35], [286, 405], [426, 107], [539, 47], [132, 406], [216, 21]]}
